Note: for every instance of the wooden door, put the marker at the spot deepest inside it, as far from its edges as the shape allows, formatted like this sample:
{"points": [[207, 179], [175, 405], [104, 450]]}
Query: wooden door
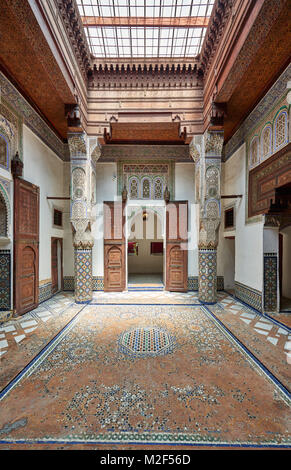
{"points": [[26, 246], [114, 246], [176, 246]]}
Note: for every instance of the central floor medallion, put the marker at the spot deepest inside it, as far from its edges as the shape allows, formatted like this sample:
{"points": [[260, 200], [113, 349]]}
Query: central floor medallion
{"points": [[146, 342]]}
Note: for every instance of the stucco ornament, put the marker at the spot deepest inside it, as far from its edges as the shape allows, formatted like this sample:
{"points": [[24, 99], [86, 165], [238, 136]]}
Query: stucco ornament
{"points": [[82, 238], [208, 234], [96, 153], [214, 142], [194, 151]]}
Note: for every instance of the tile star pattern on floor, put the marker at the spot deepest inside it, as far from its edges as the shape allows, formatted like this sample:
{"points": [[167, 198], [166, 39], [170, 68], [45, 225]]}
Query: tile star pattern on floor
{"points": [[79, 388]]}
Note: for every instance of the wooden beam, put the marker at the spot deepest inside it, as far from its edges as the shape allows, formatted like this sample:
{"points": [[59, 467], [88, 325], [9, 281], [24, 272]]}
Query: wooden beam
{"points": [[179, 22]]}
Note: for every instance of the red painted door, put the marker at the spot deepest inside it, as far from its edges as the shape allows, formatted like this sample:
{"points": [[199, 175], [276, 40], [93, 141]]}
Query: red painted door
{"points": [[26, 245], [176, 246]]}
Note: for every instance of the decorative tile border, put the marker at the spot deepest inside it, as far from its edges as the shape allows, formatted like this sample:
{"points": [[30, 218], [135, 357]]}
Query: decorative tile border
{"points": [[45, 292], [98, 283], [248, 295], [193, 283]]}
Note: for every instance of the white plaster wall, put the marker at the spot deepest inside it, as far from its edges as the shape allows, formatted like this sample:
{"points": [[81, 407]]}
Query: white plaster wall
{"points": [[44, 169], [248, 237], [286, 274], [106, 181], [185, 191]]}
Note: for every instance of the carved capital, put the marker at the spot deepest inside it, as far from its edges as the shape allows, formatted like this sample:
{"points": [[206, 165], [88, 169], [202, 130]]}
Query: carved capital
{"points": [[208, 233], [77, 144], [82, 238], [214, 142]]}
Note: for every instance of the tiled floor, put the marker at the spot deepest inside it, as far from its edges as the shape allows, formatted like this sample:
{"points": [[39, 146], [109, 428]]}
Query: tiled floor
{"points": [[67, 381]]}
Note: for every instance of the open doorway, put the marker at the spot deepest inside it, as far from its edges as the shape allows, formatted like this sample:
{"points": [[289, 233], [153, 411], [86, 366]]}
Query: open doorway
{"points": [[145, 250], [57, 264], [285, 269], [229, 264]]}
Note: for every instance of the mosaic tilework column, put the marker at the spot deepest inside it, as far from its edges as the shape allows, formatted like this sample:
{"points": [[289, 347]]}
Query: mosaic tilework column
{"points": [[206, 153], [271, 294], [81, 205], [207, 280], [270, 282], [83, 275]]}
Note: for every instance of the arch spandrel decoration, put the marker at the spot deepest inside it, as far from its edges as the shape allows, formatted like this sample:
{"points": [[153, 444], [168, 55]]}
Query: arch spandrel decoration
{"points": [[146, 180]]}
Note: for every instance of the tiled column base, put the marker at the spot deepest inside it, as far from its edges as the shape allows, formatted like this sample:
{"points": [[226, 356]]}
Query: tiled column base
{"points": [[270, 282], [83, 275], [207, 283]]}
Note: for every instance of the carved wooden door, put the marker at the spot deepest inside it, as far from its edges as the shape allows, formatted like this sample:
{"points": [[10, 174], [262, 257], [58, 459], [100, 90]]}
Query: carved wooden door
{"points": [[114, 247], [26, 245], [176, 246]]}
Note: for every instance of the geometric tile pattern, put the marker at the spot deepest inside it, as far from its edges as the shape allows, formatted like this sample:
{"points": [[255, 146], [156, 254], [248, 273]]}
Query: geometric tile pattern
{"points": [[100, 396], [45, 292], [248, 295], [83, 275], [5, 279], [207, 275], [98, 283], [145, 342], [14, 331], [270, 282]]}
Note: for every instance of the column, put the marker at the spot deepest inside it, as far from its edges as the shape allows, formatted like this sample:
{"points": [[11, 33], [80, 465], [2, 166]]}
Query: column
{"points": [[271, 295], [81, 215], [206, 152]]}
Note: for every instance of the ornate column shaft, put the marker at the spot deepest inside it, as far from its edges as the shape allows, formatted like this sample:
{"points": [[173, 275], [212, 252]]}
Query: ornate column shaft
{"points": [[206, 151], [81, 215]]}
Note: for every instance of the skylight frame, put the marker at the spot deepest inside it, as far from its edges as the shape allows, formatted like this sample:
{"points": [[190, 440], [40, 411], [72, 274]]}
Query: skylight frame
{"points": [[127, 42]]}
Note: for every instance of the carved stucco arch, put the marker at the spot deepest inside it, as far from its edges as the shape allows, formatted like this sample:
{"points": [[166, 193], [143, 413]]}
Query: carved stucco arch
{"points": [[5, 198]]}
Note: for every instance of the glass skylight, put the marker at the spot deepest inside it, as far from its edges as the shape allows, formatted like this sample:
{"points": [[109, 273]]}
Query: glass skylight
{"points": [[107, 39]]}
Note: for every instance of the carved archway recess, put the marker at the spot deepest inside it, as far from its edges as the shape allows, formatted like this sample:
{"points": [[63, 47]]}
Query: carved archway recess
{"points": [[7, 209], [3, 217]]}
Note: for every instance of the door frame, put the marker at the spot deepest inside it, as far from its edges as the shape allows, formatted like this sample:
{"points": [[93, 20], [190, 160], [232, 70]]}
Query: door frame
{"points": [[145, 204], [53, 239]]}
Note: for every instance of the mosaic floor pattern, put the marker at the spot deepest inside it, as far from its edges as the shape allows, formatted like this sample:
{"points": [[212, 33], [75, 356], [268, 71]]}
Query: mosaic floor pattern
{"points": [[81, 388]]}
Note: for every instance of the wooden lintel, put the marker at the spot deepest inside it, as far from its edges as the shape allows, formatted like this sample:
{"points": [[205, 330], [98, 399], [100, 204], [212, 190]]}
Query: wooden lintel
{"points": [[179, 22], [231, 196], [63, 198]]}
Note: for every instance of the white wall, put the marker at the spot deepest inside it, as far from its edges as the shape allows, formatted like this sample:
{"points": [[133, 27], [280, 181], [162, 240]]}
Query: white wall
{"points": [[44, 169], [248, 237], [185, 191]]}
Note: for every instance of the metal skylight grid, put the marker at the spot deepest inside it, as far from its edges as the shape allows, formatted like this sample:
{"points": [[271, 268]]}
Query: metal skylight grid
{"points": [[112, 41]]}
